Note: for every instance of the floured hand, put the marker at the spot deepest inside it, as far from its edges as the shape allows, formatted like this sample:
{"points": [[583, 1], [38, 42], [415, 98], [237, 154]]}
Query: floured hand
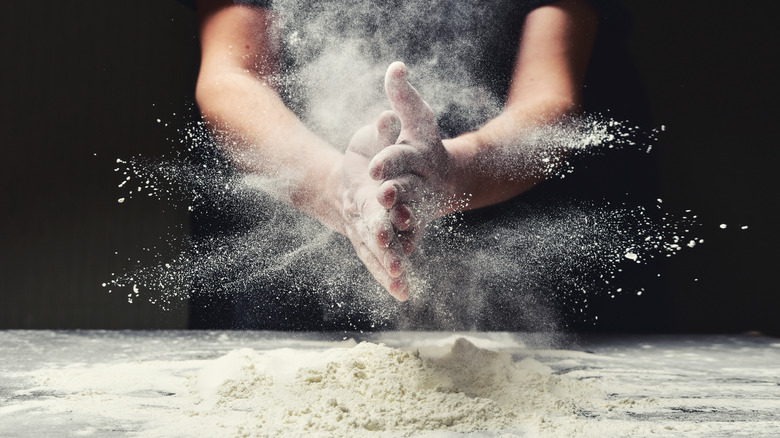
{"points": [[415, 170], [368, 223]]}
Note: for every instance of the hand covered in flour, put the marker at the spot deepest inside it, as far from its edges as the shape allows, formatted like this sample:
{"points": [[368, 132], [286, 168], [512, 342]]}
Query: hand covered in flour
{"points": [[368, 223], [414, 171]]}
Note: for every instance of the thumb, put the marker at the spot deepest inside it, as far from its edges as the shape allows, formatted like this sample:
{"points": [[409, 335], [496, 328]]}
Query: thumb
{"points": [[414, 113], [371, 139]]}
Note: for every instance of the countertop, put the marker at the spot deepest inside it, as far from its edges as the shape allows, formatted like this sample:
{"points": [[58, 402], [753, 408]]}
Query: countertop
{"points": [[697, 385]]}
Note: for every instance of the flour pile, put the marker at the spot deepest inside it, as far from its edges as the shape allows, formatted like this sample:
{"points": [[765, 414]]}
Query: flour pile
{"points": [[375, 390], [261, 384]]}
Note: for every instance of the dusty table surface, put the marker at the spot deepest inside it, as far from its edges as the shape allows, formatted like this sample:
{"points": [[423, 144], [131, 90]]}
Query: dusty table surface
{"points": [[700, 385]]}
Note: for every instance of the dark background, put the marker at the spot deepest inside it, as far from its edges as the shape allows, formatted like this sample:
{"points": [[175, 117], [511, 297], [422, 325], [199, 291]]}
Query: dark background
{"points": [[83, 83]]}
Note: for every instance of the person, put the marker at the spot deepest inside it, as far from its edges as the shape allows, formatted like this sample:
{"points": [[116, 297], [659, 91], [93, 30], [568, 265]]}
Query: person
{"points": [[399, 173], [240, 51]]}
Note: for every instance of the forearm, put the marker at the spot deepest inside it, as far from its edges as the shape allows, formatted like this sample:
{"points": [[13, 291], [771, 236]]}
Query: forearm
{"points": [[263, 137], [503, 159], [239, 54]]}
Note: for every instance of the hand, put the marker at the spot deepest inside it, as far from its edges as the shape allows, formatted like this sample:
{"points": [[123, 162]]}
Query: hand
{"points": [[368, 224], [416, 170]]}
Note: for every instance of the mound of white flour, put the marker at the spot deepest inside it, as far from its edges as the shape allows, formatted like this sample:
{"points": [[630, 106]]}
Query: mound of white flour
{"points": [[167, 386], [374, 390]]}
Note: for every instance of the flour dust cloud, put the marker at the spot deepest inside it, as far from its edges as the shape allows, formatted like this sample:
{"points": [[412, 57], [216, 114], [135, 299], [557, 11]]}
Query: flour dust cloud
{"points": [[516, 270]]}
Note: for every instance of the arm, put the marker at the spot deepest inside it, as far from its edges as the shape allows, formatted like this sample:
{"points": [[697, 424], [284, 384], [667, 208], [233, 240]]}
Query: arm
{"points": [[546, 87], [482, 168], [239, 57], [240, 48]]}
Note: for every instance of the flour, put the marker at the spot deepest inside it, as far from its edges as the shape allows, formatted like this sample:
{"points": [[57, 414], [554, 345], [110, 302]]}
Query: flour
{"points": [[538, 267], [422, 384], [372, 389]]}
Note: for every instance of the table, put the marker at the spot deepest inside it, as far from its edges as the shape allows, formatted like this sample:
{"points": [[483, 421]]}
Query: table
{"points": [[123, 383]]}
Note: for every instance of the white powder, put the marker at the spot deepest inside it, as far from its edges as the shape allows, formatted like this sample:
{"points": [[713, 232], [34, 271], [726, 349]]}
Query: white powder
{"points": [[375, 389], [172, 386]]}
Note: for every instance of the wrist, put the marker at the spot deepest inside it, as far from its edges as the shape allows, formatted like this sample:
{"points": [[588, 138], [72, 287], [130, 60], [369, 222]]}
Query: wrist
{"points": [[318, 189], [330, 198], [459, 178], [333, 198]]}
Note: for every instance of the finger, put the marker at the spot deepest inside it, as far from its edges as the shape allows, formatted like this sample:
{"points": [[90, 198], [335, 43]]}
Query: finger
{"points": [[388, 193], [409, 239], [390, 274], [395, 160], [395, 280], [383, 234], [378, 234], [401, 218], [371, 139], [415, 114], [364, 141], [402, 190], [369, 255], [388, 128], [397, 287], [389, 254], [408, 245]]}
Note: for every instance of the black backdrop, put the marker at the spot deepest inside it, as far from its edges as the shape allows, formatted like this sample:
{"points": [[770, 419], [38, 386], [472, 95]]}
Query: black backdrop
{"points": [[84, 82]]}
